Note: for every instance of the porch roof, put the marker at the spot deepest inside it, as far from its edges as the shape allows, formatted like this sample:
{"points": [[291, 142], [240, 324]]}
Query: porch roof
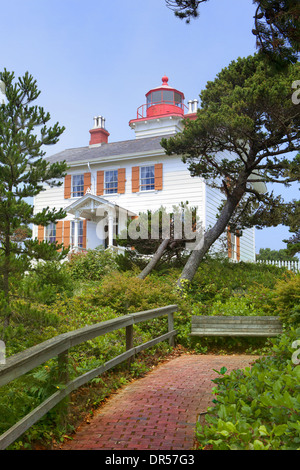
{"points": [[87, 205]]}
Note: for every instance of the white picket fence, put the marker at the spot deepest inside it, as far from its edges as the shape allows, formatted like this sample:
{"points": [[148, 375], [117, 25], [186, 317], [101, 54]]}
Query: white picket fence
{"points": [[290, 265]]}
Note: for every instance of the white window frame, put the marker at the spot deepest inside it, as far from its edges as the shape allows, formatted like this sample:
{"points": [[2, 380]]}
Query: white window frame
{"points": [[233, 246], [50, 233], [144, 185], [113, 189], [77, 193], [80, 233]]}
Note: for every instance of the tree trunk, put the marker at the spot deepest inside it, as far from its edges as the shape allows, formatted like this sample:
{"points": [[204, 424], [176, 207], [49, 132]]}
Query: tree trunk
{"points": [[209, 238], [155, 258], [6, 277]]}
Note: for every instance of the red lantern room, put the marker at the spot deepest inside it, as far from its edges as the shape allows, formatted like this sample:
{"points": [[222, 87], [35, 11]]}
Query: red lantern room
{"points": [[164, 100], [163, 103]]}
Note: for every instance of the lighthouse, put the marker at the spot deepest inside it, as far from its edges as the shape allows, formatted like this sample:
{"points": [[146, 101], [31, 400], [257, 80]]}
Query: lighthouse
{"points": [[163, 113]]}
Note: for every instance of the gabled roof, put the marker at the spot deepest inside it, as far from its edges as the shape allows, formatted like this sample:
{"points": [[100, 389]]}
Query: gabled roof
{"points": [[109, 151], [90, 202]]}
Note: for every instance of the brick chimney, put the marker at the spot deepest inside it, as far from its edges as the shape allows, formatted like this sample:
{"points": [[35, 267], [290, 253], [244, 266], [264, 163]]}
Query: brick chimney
{"points": [[99, 134]]}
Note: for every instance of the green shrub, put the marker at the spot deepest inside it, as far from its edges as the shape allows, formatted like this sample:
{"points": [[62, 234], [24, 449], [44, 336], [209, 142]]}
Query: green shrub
{"points": [[92, 264], [286, 299], [125, 293], [233, 306], [220, 279], [46, 281], [256, 408]]}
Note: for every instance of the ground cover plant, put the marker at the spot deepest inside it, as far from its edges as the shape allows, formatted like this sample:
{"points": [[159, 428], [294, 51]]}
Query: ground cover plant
{"points": [[52, 301], [256, 408]]}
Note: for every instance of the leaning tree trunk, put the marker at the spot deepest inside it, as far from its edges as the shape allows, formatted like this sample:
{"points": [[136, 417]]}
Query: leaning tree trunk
{"points": [[155, 258], [203, 246], [209, 238]]}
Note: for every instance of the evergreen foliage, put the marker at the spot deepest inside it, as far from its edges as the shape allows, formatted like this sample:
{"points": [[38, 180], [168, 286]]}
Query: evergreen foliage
{"points": [[276, 26], [242, 137], [24, 132]]}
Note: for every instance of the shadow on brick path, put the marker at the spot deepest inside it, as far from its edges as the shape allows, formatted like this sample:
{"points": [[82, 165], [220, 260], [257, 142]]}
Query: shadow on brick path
{"points": [[158, 411]]}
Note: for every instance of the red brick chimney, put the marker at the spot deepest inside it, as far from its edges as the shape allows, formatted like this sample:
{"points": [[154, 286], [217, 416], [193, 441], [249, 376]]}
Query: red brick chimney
{"points": [[99, 134]]}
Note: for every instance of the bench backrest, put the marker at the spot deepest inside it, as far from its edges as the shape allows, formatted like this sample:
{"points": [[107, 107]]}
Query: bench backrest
{"points": [[235, 326]]}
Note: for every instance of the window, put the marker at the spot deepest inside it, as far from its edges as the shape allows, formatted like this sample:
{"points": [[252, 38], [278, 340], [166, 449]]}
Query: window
{"points": [[80, 233], [51, 233], [178, 99], [168, 96], [165, 96], [147, 178], [233, 245], [77, 185], [111, 182]]}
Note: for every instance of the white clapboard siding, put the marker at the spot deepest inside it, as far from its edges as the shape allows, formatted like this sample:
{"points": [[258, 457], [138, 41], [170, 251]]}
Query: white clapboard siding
{"points": [[178, 187], [214, 199]]}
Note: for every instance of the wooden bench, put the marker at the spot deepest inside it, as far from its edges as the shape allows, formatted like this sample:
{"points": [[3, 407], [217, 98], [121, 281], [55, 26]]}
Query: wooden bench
{"points": [[235, 326]]}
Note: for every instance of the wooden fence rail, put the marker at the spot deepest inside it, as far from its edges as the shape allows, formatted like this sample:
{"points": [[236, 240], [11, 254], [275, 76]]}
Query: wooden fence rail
{"points": [[25, 361]]}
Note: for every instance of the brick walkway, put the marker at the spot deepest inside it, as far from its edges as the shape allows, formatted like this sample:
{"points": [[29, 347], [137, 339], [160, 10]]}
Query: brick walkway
{"points": [[158, 411]]}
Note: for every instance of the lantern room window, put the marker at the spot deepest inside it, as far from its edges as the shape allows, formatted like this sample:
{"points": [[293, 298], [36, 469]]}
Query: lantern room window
{"points": [[164, 97]]}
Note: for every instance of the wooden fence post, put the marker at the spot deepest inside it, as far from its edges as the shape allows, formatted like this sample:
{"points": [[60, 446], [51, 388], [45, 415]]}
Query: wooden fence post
{"points": [[171, 327], [63, 378], [57, 347], [63, 362], [129, 342]]}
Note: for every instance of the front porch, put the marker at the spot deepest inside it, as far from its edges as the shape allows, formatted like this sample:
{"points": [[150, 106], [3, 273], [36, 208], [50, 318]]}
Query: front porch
{"points": [[95, 221]]}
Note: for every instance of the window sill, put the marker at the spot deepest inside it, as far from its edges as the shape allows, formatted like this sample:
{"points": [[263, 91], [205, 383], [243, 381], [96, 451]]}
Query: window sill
{"points": [[147, 191]]}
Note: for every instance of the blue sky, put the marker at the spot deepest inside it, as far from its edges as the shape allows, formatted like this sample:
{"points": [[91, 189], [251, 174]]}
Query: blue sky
{"points": [[100, 57]]}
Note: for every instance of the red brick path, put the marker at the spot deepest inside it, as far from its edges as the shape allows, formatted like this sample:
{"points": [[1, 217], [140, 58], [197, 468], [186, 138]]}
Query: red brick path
{"points": [[158, 411]]}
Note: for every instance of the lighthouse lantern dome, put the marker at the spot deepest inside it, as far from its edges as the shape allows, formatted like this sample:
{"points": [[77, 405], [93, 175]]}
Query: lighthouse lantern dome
{"points": [[164, 100]]}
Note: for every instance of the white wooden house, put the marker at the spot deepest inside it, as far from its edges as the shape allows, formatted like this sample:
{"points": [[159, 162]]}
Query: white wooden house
{"points": [[110, 181]]}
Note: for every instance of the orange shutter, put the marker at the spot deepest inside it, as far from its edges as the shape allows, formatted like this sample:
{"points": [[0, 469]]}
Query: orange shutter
{"points": [[66, 233], [87, 182], [100, 183], [68, 182], [84, 234], [238, 247], [59, 227], [40, 233], [158, 173], [135, 179], [229, 243], [121, 180]]}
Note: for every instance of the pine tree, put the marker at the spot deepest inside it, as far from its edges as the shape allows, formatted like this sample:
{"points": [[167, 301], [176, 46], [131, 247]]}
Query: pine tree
{"points": [[24, 173], [276, 26], [245, 129]]}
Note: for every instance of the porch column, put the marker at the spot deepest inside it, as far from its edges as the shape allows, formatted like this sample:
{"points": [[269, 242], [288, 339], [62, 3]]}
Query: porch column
{"points": [[76, 231], [110, 229]]}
